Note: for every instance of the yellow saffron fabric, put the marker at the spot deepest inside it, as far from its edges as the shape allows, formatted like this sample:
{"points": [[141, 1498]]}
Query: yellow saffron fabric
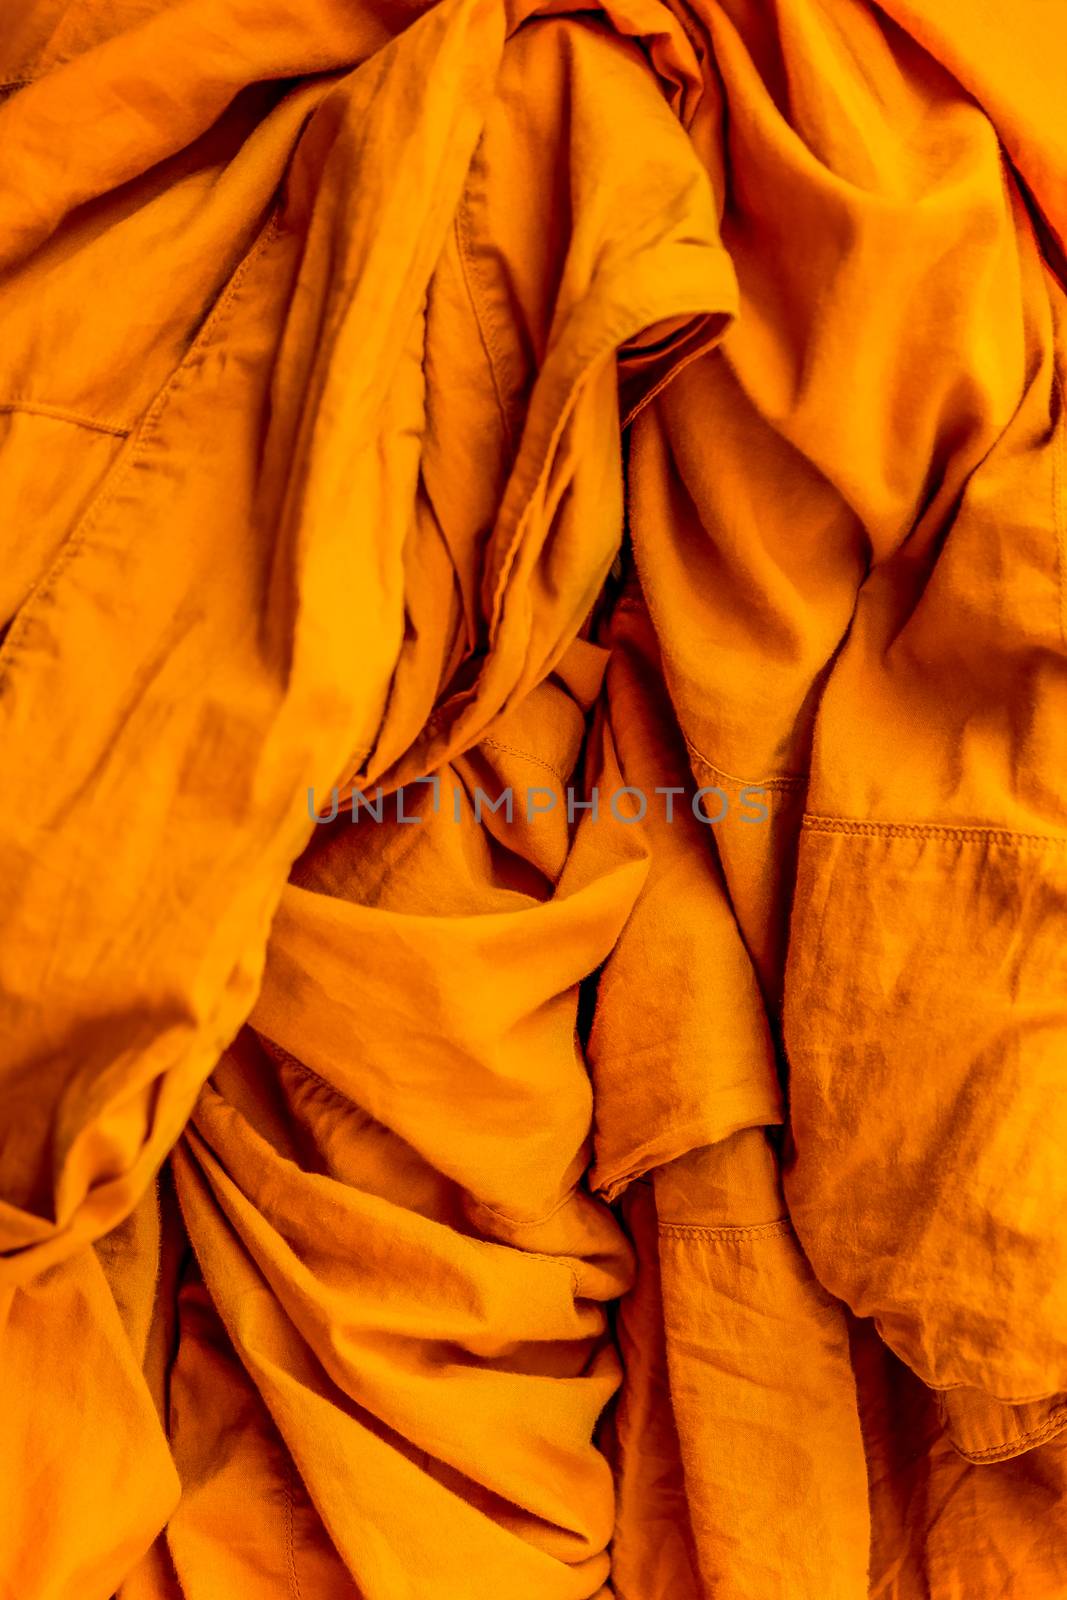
{"points": [[401, 406]]}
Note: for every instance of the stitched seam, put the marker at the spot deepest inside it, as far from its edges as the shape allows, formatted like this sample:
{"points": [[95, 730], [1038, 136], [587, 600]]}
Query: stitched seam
{"points": [[525, 756], [287, 1058], [928, 830], [294, 1581], [1059, 514], [786, 780], [556, 1261], [531, 1222], [682, 359], [951, 1388], [41, 408], [693, 1133], [1053, 1424], [482, 320], [76, 539], [700, 1230]]}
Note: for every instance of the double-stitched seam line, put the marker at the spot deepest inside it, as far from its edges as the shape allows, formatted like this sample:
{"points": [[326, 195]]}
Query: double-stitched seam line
{"points": [[41, 408], [76, 539], [785, 780], [294, 1581], [929, 830], [1053, 1424], [700, 1230], [523, 755]]}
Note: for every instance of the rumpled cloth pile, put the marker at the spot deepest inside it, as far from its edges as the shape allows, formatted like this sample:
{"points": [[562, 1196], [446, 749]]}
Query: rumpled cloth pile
{"points": [[652, 411]]}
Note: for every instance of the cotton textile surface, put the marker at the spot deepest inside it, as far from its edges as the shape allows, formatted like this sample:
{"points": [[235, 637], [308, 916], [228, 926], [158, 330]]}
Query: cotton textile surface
{"points": [[664, 394]]}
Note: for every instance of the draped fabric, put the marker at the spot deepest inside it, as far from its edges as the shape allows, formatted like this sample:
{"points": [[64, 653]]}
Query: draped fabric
{"points": [[533, 800]]}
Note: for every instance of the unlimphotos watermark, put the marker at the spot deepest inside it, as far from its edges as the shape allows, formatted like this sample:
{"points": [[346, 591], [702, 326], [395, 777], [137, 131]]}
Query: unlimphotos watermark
{"points": [[709, 805]]}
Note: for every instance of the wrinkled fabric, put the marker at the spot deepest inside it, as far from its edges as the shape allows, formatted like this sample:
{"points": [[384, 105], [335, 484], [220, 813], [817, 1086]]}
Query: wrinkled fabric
{"points": [[405, 406]]}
